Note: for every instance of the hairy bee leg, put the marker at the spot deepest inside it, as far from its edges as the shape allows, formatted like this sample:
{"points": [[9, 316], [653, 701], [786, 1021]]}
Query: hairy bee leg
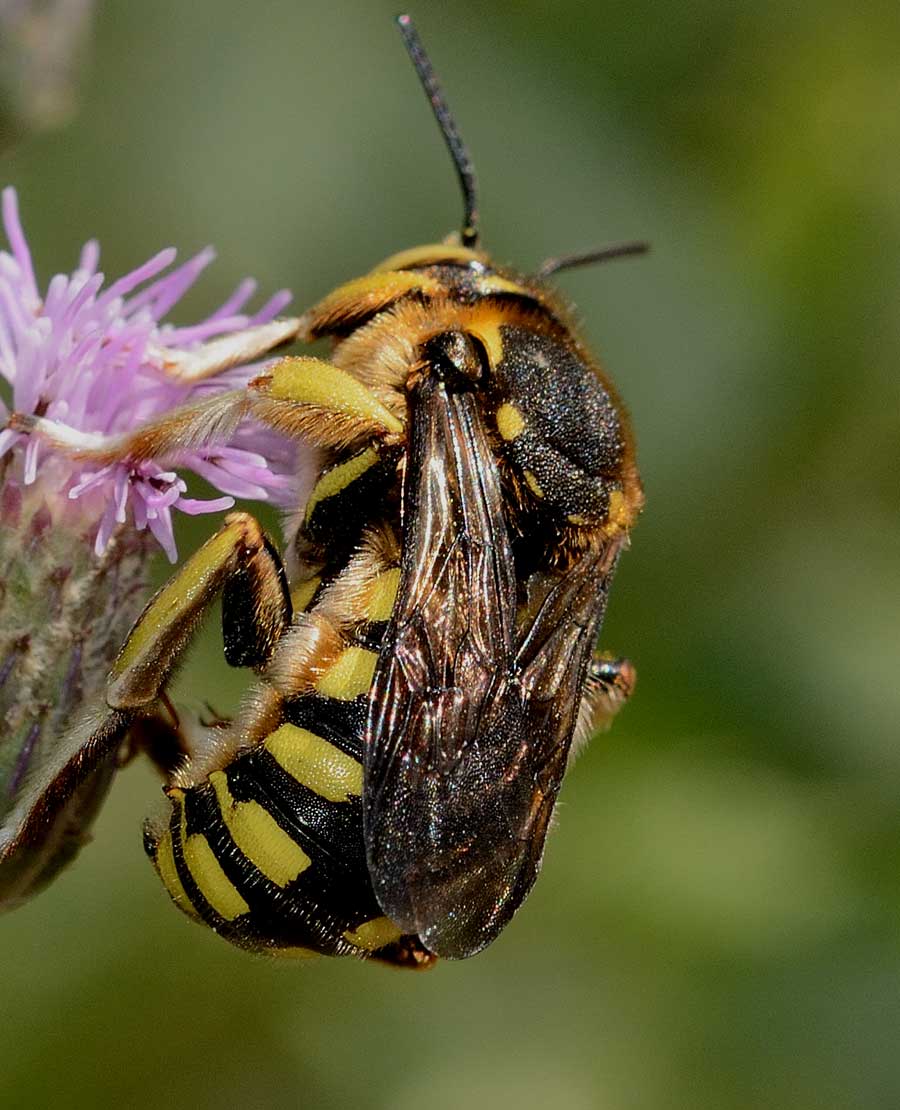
{"points": [[240, 562], [236, 349], [610, 683], [206, 423], [359, 300], [303, 398], [306, 398], [168, 741], [63, 800]]}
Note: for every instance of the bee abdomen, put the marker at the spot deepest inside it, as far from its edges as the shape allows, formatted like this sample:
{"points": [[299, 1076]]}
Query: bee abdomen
{"points": [[269, 851]]}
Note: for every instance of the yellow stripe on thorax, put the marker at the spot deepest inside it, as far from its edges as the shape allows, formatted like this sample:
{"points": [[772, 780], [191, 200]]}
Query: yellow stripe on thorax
{"points": [[494, 283], [258, 836], [432, 254], [486, 326], [339, 477], [619, 516], [533, 483], [315, 763], [349, 675]]}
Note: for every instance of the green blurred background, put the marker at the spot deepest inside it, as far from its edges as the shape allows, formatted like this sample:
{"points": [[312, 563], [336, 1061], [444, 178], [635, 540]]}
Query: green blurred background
{"points": [[718, 920]]}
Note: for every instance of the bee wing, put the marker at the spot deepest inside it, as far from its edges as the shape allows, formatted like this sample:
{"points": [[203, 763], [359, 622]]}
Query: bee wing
{"points": [[469, 721], [557, 637]]}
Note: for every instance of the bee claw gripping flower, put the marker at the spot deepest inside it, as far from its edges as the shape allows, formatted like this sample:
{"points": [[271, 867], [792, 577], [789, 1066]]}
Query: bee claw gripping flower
{"points": [[81, 510]]}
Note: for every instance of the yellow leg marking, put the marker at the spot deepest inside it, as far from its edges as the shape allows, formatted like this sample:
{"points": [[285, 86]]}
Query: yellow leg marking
{"points": [[259, 836], [303, 593], [211, 880], [314, 382], [349, 675], [315, 763], [510, 422], [339, 477], [162, 631], [178, 598], [363, 297], [165, 865], [383, 593], [532, 484], [373, 934]]}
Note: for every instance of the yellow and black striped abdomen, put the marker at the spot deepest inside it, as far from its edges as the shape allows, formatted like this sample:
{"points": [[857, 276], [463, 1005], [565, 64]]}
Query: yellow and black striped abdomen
{"points": [[269, 851]]}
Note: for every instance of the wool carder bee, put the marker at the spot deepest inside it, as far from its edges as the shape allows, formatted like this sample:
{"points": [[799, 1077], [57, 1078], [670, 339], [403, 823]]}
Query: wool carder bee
{"points": [[423, 655]]}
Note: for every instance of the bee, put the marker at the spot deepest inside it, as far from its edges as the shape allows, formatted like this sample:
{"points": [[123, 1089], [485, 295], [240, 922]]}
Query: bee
{"points": [[424, 653]]}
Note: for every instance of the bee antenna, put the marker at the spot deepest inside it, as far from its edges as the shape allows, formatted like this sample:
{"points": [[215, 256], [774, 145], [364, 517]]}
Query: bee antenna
{"points": [[584, 258], [465, 171]]}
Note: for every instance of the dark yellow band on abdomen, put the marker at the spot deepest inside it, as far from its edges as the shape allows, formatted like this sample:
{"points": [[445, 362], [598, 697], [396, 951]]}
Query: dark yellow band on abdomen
{"points": [[211, 880], [315, 763], [164, 858], [258, 836]]}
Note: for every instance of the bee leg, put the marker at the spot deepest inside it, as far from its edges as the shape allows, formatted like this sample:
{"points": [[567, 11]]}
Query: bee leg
{"points": [[237, 349], [212, 421], [239, 562], [359, 300], [610, 683], [169, 739], [308, 399], [47, 825], [303, 398]]}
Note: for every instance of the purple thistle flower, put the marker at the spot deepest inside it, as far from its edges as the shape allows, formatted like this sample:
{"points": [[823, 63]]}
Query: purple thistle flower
{"points": [[84, 484], [89, 362]]}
